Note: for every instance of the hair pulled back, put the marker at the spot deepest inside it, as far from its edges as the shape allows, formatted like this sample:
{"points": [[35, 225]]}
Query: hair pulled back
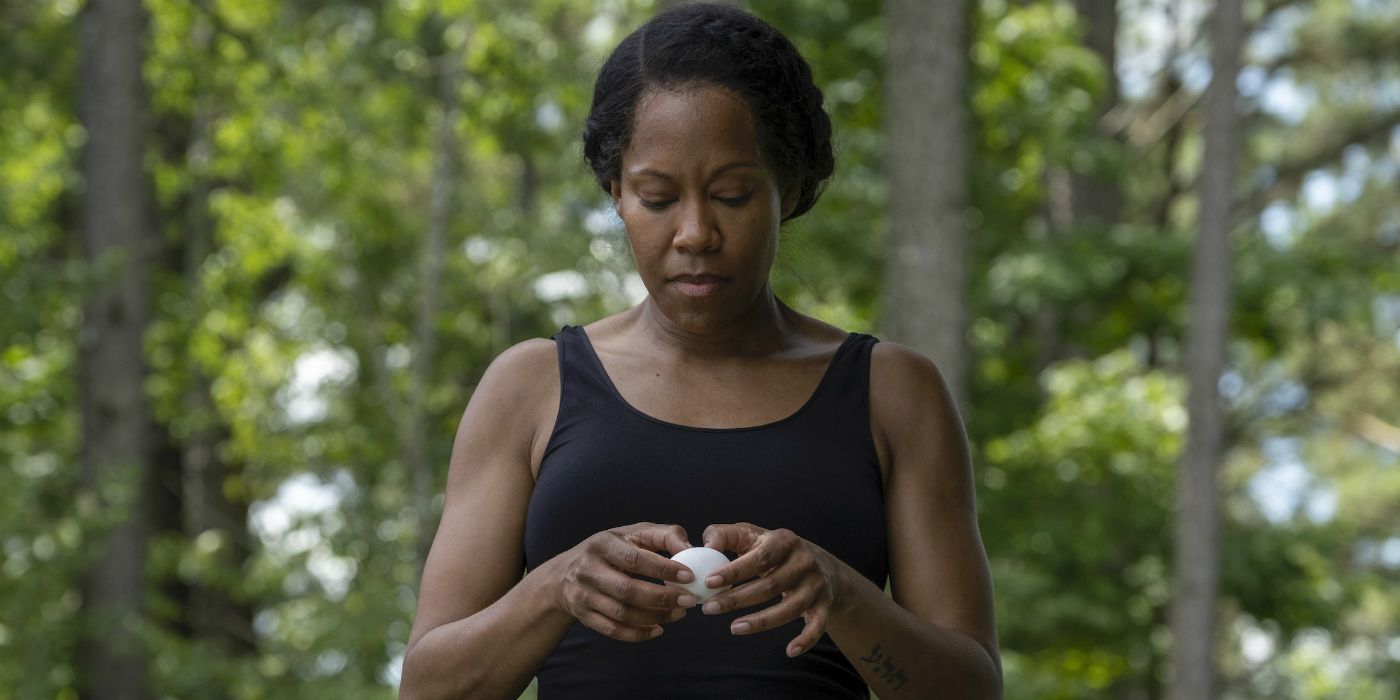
{"points": [[716, 44]]}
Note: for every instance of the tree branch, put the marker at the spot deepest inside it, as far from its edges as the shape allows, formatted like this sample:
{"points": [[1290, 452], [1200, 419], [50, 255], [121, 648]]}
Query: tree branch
{"points": [[1289, 174], [1377, 432]]}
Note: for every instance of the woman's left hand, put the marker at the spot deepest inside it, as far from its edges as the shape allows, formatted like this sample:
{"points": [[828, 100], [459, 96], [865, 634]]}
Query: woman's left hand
{"points": [[809, 578]]}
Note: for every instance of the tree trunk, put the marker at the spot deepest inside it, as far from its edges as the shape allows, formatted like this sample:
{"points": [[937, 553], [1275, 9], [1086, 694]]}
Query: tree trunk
{"points": [[927, 160], [439, 218], [1197, 558], [119, 239], [1094, 198], [1171, 140], [1172, 92], [213, 613], [1077, 200]]}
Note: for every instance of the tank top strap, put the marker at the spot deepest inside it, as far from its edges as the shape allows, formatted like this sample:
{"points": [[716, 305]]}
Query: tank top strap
{"points": [[581, 380], [814, 473], [841, 401], [843, 404]]}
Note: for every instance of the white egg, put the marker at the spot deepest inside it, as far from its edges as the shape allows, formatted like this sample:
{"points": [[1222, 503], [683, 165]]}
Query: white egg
{"points": [[701, 561]]}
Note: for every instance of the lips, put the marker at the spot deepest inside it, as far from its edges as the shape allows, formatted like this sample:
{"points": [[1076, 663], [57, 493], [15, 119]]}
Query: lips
{"points": [[697, 285]]}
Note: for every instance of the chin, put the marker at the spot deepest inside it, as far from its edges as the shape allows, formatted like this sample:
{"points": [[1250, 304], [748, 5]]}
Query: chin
{"points": [[717, 308]]}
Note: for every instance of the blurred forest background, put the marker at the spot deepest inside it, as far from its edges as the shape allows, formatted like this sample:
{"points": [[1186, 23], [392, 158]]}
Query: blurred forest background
{"points": [[245, 304]]}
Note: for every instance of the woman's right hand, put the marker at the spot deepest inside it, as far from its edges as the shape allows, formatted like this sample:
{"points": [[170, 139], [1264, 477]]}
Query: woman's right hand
{"points": [[594, 585]]}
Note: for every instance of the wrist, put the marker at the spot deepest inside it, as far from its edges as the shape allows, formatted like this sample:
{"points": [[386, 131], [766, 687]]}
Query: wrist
{"points": [[547, 592], [845, 592]]}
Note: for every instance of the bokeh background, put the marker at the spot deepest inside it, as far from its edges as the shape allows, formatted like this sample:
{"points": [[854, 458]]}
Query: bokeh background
{"points": [[354, 205]]}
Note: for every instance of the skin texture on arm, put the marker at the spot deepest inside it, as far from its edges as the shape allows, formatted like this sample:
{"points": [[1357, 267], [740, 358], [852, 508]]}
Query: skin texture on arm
{"points": [[476, 632], [937, 637], [482, 631]]}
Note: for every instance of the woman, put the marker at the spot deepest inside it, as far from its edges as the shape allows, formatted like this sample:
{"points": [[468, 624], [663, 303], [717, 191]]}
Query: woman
{"points": [[823, 461]]}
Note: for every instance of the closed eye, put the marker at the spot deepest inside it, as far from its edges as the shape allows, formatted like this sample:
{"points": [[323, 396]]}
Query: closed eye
{"points": [[659, 204]]}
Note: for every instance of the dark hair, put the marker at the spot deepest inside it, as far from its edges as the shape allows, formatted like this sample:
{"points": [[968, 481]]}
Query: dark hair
{"points": [[708, 43]]}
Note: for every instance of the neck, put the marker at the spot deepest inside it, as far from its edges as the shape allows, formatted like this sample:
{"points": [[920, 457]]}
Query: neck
{"points": [[761, 330]]}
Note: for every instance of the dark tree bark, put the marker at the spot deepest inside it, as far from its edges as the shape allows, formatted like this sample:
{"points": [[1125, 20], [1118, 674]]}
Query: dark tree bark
{"points": [[212, 612], [927, 160], [1094, 198], [1077, 199], [1172, 93], [1197, 557], [445, 173], [193, 499], [120, 239]]}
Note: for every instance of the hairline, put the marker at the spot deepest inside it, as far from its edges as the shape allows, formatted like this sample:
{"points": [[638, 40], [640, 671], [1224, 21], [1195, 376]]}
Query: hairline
{"points": [[651, 88]]}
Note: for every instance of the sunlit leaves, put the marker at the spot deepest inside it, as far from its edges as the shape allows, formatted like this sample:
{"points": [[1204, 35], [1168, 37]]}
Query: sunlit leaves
{"points": [[1104, 448], [293, 150]]}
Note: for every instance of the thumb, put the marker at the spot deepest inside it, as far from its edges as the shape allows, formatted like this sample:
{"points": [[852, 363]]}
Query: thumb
{"points": [[658, 537], [675, 538], [724, 537]]}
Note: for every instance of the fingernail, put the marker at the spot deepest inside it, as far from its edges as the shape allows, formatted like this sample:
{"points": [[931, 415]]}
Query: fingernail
{"points": [[686, 601], [656, 632], [677, 614], [684, 576], [739, 627], [710, 608], [795, 651], [714, 581]]}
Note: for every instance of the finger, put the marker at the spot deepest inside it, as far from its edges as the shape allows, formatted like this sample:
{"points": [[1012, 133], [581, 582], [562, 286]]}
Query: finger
{"points": [[626, 555], [760, 590], [812, 631], [771, 550], [657, 538], [674, 539], [791, 608], [627, 614], [616, 630], [642, 594], [735, 537]]}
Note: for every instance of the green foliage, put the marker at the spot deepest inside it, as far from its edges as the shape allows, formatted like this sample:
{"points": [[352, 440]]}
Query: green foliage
{"points": [[1073, 592], [293, 152]]}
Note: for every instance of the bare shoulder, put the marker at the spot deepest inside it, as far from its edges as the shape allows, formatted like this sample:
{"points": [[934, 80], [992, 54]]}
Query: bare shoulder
{"points": [[520, 377], [517, 397], [909, 399], [938, 566], [475, 555], [904, 374], [528, 366]]}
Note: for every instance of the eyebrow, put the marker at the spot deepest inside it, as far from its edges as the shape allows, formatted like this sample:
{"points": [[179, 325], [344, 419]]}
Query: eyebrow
{"points": [[667, 176]]}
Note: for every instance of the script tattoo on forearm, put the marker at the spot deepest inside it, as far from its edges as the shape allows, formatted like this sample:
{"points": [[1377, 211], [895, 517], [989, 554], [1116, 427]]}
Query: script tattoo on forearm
{"points": [[882, 664]]}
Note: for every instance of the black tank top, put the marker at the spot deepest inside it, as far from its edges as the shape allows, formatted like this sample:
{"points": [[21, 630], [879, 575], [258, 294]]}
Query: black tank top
{"points": [[607, 464]]}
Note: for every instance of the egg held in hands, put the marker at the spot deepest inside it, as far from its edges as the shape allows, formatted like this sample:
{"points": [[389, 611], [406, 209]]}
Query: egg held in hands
{"points": [[701, 561]]}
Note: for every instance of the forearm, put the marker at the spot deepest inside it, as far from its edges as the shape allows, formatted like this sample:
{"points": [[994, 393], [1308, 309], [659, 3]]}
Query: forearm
{"points": [[902, 656], [492, 654]]}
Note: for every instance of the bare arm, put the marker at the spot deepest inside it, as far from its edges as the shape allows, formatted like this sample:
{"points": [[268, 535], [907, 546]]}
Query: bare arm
{"points": [[480, 630], [937, 637]]}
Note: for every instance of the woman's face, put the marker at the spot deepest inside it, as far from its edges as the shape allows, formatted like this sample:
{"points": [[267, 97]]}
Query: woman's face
{"points": [[701, 209]]}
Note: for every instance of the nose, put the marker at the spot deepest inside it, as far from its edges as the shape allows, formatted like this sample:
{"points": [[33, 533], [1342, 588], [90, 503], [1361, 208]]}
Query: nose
{"points": [[697, 231]]}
